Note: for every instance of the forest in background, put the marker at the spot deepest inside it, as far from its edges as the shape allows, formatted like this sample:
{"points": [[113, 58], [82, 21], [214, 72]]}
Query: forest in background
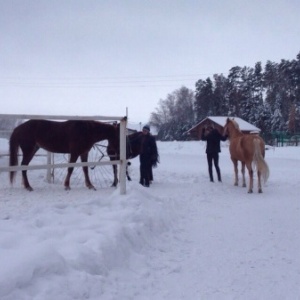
{"points": [[265, 96]]}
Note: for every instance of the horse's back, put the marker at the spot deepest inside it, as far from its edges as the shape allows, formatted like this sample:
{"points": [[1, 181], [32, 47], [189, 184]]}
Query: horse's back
{"points": [[50, 135], [72, 136], [33, 127], [25, 131], [243, 147], [65, 137]]}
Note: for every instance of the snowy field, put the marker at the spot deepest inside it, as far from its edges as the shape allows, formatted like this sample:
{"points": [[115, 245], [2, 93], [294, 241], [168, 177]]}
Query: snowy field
{"points": [[182, 238]]}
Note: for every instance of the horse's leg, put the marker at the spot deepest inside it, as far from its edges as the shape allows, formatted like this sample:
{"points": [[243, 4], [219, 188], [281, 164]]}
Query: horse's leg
{"points": [[127, 172], [28, 153], [243, 174], [236, 177], [113, 156], [249, 167], [73, 159], [259, 181], [84, 158], [115, 171]]}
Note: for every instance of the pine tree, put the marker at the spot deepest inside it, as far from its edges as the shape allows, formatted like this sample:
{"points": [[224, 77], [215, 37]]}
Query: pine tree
{"points": [[221, 95], [204, 99]]}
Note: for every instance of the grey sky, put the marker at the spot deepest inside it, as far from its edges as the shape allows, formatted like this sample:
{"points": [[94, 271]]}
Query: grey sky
{"points": [[94, 57]]}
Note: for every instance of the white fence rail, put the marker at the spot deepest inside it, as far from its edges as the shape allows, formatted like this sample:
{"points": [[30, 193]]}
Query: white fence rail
{"points": [[61, 117], [49, 166]]}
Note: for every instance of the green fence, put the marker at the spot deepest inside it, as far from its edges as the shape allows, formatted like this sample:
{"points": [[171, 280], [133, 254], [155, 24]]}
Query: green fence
{"points": [[281, 139]]}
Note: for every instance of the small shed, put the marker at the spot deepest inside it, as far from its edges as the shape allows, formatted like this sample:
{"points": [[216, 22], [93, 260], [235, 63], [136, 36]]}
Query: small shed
{"points": [[219, 123]]}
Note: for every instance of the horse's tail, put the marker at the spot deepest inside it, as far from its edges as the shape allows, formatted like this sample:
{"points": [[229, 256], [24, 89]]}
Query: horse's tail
{"points": [[259, 161], [13, 155]]}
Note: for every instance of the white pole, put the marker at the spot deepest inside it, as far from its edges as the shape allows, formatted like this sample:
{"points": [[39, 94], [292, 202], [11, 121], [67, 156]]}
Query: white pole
{"points": [[123, 161]]}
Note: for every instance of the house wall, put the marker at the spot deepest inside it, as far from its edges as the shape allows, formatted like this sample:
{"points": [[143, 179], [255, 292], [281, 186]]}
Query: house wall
{"points": [[197, 131]]}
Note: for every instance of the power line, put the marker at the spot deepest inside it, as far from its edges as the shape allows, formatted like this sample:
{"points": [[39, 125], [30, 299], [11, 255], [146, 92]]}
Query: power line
{"points": [[99, 82]]}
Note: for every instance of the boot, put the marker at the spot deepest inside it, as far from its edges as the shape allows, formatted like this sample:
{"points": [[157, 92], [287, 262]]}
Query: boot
{"points": [[219, 176], [211, 176]]}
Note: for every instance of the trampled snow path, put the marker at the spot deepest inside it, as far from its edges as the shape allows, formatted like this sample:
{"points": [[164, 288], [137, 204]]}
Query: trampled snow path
{"points": [[183, 238]]}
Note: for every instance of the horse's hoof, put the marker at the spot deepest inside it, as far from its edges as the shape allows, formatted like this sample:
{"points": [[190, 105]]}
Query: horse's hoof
{"points": [[244, 185], [260, 191], [91, 187], [250, 192], [235, 184], [67, 188], [29, 188]]}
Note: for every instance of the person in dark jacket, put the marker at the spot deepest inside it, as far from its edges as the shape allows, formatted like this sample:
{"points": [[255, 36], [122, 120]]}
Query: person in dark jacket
{"points": [[148, 157], [213, 137]]}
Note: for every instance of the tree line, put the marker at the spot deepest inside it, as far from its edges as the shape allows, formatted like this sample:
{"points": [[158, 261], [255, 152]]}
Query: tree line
{"points": [[267, 97]]}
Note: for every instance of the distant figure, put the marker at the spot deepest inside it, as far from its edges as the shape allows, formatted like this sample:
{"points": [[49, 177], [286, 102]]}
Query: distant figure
{"points": [[148, 157], [213, 137]]}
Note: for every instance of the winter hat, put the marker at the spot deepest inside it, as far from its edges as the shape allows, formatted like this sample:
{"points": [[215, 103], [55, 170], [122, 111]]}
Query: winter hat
{"points": [[146, 127]]}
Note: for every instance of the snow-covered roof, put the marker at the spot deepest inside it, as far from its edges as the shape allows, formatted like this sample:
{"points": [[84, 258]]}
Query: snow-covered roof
{"points": [[242, 123], [244, 126]]}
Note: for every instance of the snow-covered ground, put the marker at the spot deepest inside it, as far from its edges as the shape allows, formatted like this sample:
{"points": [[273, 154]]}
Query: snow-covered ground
{"points": [[182, 238]]}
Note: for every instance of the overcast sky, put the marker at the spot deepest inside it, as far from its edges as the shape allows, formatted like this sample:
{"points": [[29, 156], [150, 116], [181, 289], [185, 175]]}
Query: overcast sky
{"points": [[96, 57]]}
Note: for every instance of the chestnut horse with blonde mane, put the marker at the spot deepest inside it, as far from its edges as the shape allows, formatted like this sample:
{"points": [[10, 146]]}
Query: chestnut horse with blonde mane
{"points": [[249, 149]]}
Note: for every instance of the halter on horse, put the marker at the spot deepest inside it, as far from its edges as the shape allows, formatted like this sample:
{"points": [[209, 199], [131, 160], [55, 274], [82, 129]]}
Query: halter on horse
{"points": [[249, 149]]}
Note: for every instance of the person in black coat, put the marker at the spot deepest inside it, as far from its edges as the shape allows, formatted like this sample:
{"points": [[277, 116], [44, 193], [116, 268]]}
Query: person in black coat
{"points": [[148, 157], [213, 137]]}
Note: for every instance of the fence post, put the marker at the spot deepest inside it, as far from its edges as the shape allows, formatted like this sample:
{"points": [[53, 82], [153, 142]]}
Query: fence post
{"points": [[49, 163], [123, 160]]}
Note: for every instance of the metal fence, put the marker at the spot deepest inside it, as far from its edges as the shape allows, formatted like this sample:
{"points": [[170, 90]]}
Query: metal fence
{"points": [[281, 139]]}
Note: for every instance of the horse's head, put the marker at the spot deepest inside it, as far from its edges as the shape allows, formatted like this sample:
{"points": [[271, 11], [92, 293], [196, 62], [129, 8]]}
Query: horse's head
{"points": [[231, 128], [114, 139], [134, 142]]}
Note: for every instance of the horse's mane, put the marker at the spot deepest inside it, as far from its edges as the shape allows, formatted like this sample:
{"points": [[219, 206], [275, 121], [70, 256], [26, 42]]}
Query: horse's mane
{"points": [[235, 124]]}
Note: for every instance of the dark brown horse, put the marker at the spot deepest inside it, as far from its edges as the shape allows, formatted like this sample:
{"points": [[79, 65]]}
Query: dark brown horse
{"points": [[249, 149], [133, 149], [74, 137]]}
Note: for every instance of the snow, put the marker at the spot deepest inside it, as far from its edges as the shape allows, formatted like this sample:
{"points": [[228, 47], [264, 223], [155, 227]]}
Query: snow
{"points": [[182, 238]]}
